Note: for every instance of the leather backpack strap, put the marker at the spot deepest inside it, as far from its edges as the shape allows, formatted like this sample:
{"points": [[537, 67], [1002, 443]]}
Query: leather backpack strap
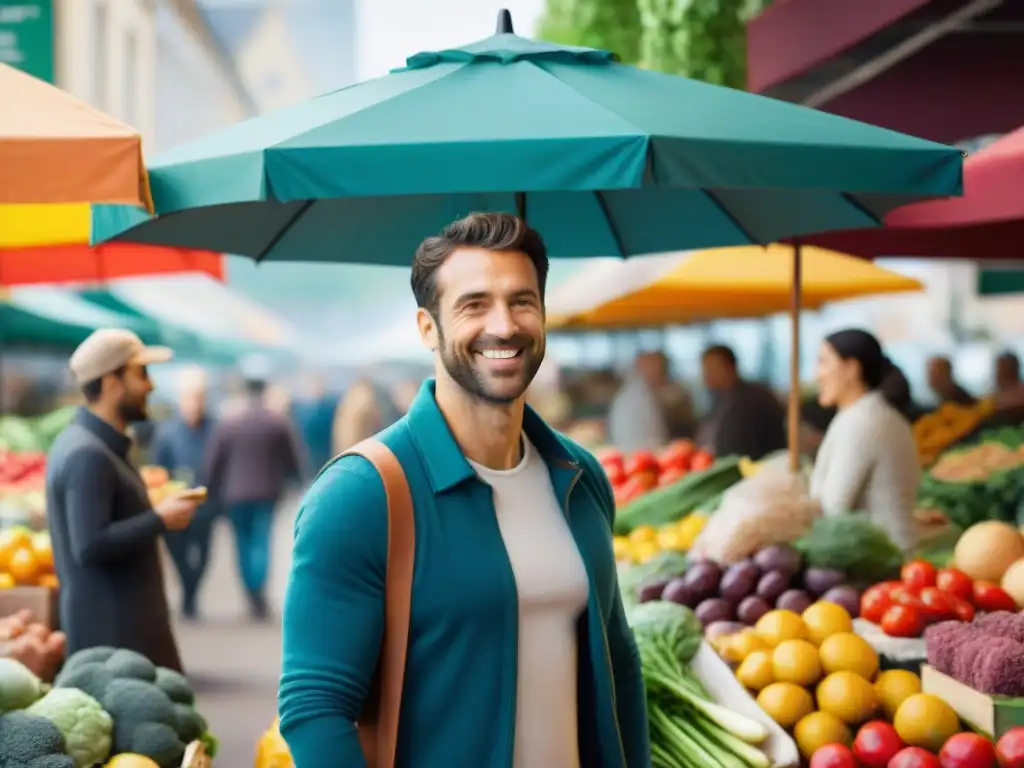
{"points": [[382, 723]]}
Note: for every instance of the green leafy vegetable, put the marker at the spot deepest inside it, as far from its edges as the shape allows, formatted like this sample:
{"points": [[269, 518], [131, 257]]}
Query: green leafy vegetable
{"points": [[853, 545], [687, 727]]}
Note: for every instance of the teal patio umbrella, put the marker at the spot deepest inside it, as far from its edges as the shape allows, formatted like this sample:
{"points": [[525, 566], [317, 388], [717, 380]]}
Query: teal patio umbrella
{"points": [[602, 158], [49, 318]]}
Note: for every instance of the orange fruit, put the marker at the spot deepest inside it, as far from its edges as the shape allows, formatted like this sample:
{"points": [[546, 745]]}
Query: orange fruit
{"points": [[11, 540], [23, 566], [6, 581], [49, 580], [43, 550]]}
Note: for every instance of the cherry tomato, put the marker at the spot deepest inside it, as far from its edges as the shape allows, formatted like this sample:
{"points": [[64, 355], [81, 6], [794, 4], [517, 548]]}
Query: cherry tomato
{"points": [[962, 609], [902, 621], [918, 574], [954, 582], [914, 757], [906, 596], [833, 756], [968, 749], [937, 605], [874, 603], [1010, 748], [701, 460], [670, 476], [991, 597], [676, 455], [876, 744], [642, 462]]}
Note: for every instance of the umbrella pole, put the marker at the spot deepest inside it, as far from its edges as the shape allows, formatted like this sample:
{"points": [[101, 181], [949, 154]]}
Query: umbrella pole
{"points": [[796, 300]]}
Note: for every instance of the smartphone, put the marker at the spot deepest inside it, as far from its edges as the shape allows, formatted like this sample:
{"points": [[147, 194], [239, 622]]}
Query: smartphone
{"points": [[194, 494]]}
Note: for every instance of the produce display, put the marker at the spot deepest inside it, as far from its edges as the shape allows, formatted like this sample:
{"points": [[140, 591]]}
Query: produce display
{"points": [[688, 726], [633, 475], [936, 431], [26, 558], [987, 654], [978, 482], [107, 706], [32, 644], [33, 435], [271, 749]]}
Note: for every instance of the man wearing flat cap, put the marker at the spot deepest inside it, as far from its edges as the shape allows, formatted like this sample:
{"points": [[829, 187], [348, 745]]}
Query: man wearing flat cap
{"points": [[104, 529]]}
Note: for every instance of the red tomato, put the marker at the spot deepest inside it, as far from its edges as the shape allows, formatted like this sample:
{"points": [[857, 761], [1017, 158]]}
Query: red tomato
{"points": [[1010, 748], [676, 455], [876, 744], [903, 621], [670, 476], [914, 757], [833, 756], [874, 603], [918, 574], [616, 473], [701, 460], [633, 488], [991, 597], [954, 582], [906, 596], [642, 462], [963, 610], [967, 750], [937, 605]]}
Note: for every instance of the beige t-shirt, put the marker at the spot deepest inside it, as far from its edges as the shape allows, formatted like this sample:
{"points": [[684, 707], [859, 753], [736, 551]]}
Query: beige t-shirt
{"points": [[551, 581]]}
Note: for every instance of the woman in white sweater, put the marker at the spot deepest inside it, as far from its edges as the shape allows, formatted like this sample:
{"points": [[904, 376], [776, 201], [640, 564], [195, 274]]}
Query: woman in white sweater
{"points": [[867, 462]]}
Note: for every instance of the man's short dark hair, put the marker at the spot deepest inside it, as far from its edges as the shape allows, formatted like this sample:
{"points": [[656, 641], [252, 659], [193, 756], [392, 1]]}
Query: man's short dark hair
{"points": [[93, 389], [1010, 360], [722, 351], [492, 231]]}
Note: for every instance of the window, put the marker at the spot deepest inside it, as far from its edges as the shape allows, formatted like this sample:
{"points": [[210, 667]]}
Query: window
{"points": [[100, 54], [131, 79]]}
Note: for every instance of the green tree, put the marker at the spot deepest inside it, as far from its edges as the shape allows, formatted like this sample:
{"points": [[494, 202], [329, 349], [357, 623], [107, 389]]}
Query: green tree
{"points": [[701, 39], [611, 25]]}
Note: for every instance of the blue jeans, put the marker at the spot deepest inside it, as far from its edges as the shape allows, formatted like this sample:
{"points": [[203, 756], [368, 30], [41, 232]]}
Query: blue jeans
{"points": [[252, 522]]}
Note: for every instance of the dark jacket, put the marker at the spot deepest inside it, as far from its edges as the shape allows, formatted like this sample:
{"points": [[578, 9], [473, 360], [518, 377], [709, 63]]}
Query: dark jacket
{"points": [[251, 457], [105, 544], [460, 679], [747, 420]]}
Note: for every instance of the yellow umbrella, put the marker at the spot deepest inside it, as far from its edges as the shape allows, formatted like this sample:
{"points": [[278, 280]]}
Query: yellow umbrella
{"points": [[677, 289]]}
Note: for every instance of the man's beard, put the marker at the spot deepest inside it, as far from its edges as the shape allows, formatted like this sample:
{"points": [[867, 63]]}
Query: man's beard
{"points": [[132, 411], [476, 383]]}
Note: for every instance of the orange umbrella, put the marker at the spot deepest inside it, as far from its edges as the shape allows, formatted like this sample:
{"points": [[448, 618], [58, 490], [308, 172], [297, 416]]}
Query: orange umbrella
{"points": [[57, 149], [50, 244]]}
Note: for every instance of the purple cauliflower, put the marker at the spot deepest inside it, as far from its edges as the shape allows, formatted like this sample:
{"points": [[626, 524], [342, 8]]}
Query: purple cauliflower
{"points": [[941, 642], [1002, 671], [1002, 624], [965, 655]]}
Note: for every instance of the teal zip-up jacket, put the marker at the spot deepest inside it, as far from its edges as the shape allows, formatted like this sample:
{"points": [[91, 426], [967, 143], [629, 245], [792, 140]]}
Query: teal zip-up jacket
{"points": [[459, 702]]}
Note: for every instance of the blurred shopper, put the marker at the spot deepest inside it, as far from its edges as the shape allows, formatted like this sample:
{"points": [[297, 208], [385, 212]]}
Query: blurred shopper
{"points": [[1007, 374], [180, 447], [105, 532], [944, 384], [515, 657], [365, 409], [313, 414], [868, 460], [746, 418], [253, 454], [636, 420]]}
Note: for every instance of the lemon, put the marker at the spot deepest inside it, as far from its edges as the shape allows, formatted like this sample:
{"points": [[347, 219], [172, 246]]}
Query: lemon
{"points": [[670, 539], [745, 642], [785, 703], [755, 671], [824, 619], [848, 652], [644, 550], [925, 721], [848, 696], [895, 686], [643, 534], [621, 547], [796, 661], [689, 528], [818, 729], [777, 626]]}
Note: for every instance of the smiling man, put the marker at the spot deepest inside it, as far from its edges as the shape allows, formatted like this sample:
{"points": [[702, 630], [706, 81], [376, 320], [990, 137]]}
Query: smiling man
{"points": [[519, 655]]}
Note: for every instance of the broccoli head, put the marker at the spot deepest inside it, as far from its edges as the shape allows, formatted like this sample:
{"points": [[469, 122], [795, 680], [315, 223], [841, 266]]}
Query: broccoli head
{"points": [[29, 741], [175, 686], [146, 720]]}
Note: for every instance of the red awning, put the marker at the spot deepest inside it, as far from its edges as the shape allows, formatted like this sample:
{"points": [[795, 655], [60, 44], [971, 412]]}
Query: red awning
{"points": [[986, 223]]}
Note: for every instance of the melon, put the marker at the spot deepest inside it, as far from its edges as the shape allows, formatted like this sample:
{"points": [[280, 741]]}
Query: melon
{"points": [[985, 551]]}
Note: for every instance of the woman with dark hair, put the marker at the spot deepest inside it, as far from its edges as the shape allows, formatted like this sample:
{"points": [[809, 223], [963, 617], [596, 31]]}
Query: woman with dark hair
{"points": [[868, 460]]}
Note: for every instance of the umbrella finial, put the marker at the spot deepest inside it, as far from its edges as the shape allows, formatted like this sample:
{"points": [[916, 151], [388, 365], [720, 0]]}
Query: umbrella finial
{"points": [[504, 23]]}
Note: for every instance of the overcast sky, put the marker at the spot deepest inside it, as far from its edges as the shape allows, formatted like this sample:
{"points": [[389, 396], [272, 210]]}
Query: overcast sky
{"points": [[391, 30]]}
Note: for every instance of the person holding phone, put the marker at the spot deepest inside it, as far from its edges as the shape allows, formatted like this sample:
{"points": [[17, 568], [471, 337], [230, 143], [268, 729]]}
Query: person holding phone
{"points": [[105, 531]]}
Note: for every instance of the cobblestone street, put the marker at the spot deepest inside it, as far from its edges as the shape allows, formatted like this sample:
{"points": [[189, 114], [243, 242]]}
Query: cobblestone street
{"points": [[234, 662]]}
